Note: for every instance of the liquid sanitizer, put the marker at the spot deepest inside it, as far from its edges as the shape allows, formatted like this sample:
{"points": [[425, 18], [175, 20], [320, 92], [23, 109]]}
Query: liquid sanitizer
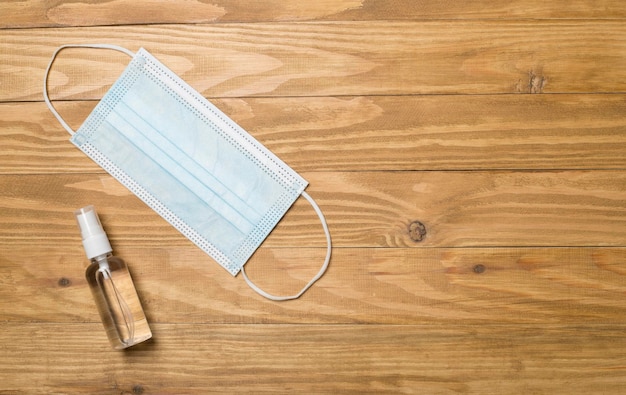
{"points": [[111, 285]]}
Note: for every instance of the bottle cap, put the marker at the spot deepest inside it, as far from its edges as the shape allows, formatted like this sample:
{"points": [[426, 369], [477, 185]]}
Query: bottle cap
{"points": [[95, 240]]}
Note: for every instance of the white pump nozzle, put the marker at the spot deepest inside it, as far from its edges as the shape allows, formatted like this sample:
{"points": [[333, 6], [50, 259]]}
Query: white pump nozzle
{"points": [[95, 239]]}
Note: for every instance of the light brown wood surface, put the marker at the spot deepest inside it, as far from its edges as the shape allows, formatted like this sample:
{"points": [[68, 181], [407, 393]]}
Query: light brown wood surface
{"points": [[498, 126]]}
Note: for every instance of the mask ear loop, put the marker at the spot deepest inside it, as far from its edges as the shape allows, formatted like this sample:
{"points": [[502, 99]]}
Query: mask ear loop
{"points": [[45, 80], [317, 276]]}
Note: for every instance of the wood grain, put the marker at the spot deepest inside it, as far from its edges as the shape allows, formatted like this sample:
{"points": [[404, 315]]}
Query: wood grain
{"points": [[539, 132], [469, 158], [331, 59], [363, 209], [190, 359], [38, 13], [430, 286]]}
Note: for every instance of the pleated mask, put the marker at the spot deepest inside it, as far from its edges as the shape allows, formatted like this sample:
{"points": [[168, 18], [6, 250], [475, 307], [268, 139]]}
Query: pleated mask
{"points": [[189, 162]]}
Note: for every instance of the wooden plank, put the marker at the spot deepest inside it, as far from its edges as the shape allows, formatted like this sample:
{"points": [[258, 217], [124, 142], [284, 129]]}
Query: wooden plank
{"points": [[430, 286], [339, 58], [368, 209], [372, 133], [39, 13], [363, 359]]}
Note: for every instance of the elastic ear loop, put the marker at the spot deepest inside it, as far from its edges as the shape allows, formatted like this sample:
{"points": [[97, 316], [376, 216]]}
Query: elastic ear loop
{"points": [[317, 276], [45, 80]]}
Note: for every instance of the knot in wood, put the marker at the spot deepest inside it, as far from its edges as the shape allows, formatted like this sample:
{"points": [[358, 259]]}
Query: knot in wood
{"points": [[480, 268], [64, 282], [417, 231]]}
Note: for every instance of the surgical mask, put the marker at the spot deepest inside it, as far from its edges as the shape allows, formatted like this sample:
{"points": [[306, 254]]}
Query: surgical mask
{"points": [[189, 162]]}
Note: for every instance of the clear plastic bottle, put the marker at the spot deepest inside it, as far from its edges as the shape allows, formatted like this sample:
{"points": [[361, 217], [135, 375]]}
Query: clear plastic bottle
{"points": [[111, 285]]}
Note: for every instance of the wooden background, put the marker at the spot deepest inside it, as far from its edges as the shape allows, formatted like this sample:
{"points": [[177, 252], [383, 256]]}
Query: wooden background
{"points": [[500, 126]]}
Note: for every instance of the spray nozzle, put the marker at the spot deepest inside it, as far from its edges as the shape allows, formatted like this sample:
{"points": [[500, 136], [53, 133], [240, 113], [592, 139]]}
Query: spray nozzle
{"points": [[95, 239]]}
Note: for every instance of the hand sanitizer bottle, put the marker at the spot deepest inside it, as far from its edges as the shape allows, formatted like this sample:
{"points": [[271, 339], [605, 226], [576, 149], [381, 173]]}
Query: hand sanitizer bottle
{"points": [[111, 285]]}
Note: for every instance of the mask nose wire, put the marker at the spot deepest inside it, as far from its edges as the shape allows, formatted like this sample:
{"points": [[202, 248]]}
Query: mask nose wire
{"points": [[317, 276], [46, 98]]}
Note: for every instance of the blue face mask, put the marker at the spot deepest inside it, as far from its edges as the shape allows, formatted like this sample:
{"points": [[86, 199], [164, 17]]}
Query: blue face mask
{"points": [[189, 162]]}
